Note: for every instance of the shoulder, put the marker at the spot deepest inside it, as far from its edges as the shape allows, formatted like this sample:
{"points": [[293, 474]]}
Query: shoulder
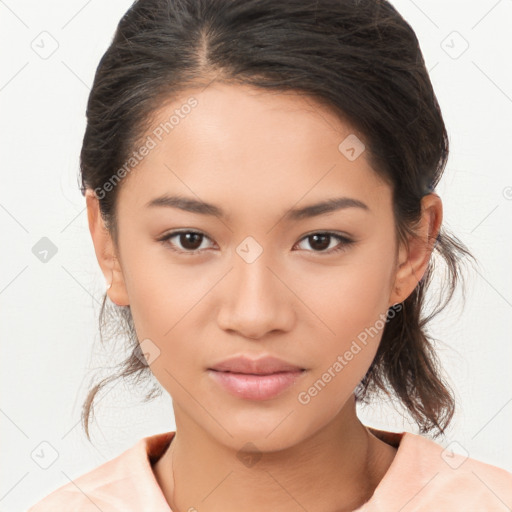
{"points": [[466, 479], [428, 476], [125, 482]]}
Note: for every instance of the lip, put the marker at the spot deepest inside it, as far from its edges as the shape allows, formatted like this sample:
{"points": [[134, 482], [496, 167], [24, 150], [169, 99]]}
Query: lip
{"points": [[255, 387], [262, 366], [255, 379]]}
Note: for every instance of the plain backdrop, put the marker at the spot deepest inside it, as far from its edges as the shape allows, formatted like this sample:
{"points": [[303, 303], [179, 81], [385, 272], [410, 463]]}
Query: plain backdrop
{"points": [[49, 310]]}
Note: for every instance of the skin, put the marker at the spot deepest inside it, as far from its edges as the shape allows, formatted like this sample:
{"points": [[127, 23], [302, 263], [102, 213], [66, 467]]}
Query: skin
{"points": [[257, 155]]}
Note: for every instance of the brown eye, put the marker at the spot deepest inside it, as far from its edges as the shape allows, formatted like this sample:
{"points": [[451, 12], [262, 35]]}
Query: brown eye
{"points": [[188, 242], [321, 241]]}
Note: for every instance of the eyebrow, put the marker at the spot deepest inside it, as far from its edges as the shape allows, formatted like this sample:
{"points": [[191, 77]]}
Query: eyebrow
{"points": [[204, 208]]}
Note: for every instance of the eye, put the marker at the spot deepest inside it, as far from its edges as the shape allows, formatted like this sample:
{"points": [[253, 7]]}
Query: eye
{"points": [[190, 241], [322, 240]]}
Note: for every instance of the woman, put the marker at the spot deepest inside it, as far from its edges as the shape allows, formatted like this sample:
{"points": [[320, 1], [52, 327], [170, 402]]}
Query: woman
{"points": [[259, 178]]}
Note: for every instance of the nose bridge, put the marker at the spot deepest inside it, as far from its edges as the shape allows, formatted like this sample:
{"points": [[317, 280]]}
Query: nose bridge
{"points": [[254, 277], [256, 300]]}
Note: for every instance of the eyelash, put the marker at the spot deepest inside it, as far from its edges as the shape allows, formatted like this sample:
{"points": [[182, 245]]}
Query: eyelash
{"points": [[345, 242]]}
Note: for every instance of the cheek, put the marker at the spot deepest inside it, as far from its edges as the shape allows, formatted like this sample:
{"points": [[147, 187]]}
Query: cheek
{"points": [[352, 307], [351, 303], [160, 292], [351, 298], [164, 306]]}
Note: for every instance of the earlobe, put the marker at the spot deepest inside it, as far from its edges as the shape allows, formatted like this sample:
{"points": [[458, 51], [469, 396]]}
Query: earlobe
{"points": [[413, 260], [105, 252]]}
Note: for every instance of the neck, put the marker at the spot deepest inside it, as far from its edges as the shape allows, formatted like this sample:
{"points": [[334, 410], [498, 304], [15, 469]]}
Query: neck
{"points": [[335, 469]]}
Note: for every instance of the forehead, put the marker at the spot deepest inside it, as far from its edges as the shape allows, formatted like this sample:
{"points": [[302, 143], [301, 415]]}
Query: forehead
{"points": [[251, 144]]}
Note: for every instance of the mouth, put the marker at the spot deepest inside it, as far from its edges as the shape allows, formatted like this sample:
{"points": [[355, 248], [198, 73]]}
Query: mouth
{"points": [[266, 365], [256, 386], [258, 374]]}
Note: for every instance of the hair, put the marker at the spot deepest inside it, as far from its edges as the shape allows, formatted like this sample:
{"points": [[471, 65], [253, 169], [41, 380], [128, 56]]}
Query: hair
{"points": [[359, 58]]}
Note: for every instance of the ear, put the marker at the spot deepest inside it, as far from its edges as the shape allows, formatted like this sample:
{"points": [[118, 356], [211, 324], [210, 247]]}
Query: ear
{"points": [[413, 261], [105, 251]]}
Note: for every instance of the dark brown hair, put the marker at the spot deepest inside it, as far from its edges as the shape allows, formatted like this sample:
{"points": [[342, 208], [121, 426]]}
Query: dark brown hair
{"points": [[358, 57]]}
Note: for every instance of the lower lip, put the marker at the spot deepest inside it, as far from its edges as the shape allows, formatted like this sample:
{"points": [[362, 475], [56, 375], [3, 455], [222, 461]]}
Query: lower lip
{"points": [[255, 387]]}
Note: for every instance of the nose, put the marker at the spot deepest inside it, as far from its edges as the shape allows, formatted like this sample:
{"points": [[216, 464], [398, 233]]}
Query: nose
{"points": [[256, 300]]}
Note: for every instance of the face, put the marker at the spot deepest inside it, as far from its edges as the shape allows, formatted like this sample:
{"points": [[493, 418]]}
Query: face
{"points": [[249, 277]]}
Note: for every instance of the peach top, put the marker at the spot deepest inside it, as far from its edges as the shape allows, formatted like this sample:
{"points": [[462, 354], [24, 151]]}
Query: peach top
{"points": [[422, 477]]}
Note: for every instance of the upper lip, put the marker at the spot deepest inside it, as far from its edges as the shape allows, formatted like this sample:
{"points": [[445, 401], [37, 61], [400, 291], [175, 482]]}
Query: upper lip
{"points": [[261, 366]]}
